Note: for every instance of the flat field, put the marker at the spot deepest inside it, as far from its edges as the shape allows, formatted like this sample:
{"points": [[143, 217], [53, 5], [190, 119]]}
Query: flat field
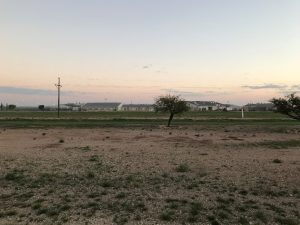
{"points": [[137, 115], [16, 119], [214, 171]]}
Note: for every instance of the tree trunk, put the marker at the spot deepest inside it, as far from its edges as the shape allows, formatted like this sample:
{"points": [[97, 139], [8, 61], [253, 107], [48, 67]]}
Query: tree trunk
{"points": [[170, 119], [293, 116]]}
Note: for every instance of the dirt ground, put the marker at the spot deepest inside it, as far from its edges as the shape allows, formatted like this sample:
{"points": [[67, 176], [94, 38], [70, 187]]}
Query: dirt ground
{"points": [[179, 175]]}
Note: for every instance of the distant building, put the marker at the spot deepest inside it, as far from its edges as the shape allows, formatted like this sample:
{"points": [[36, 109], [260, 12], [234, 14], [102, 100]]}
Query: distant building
{"points": [[259, 107], [204, 105], [73, 106], [102, 106], [138, 107], [229, 107]]}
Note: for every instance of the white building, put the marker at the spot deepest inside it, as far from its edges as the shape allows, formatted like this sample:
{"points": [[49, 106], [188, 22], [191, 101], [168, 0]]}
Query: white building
{"points": [[138, 107], [204, 105], [102, 106]]}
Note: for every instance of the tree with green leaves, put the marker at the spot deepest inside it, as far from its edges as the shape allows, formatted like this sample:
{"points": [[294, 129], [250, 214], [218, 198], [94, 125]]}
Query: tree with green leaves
{"points": [[12, 107], [41, 107], [172, 104], [290, 106]]}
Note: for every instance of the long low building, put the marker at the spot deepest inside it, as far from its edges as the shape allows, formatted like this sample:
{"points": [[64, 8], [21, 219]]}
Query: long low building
{"points": [[102, 106], [138, 107], [203, 105], [259, 107], [210, 106]]}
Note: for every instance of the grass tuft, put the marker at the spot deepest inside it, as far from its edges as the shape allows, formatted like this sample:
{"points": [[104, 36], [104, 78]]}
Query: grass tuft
{"points": [[182, 168], [277, 161]]}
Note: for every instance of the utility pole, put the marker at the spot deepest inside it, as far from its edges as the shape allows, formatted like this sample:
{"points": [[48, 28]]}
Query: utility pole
{"points": [[58, 96]]}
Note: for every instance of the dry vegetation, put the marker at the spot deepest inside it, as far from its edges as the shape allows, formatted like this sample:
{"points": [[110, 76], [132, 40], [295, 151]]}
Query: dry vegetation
{"points": [[149, 176]]}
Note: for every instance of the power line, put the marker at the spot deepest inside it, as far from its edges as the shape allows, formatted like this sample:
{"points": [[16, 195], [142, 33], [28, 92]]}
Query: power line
{"points": [[58, 96]]}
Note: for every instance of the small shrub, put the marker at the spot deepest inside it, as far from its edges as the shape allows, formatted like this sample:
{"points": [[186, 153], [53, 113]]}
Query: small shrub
{"points": [[223, 215], [195, 208], [11, 213], [90, 175], [106, 184], [211, 217], [121, 195], [193, 185], [167, 215], [85, 148], [173, 205], [52, 213], [225, 201], [61, 140], [243, 221], [261, 216], [93, 158], [165, 175], [41, 211], [93, 195], [65, 207], [138, 218], [92, 205], [215, 222], [36, 206], [192, 218], [120, 219], [286, 221], [243, 192], [182, 168], [277, 161], [15, 175]]}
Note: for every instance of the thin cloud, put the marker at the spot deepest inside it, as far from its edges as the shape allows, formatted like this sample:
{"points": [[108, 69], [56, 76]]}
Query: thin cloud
{"points": [[178, 92], [279, 88], [33, 91], [265, 86], [126, 86], [296, 87], [147, 66], [26, 91], [291, 89], [195, 94]]}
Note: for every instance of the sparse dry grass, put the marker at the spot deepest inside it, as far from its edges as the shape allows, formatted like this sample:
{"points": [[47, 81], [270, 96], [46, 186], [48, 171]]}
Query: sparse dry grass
{"points": [[147, 175]]}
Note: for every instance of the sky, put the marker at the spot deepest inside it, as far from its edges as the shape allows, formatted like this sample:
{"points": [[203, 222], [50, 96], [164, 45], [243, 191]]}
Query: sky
{"points": [[132, 51]]}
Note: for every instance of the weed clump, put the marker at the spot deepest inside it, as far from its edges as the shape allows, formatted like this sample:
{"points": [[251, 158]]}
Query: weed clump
{"points": [[15, 175], [182, 168], [120, 219], [277, 161], [286, 221], [90, 175], [243, 221], [85, 148], [167, 215], [261, 216], [93, 158], [121, 195]]}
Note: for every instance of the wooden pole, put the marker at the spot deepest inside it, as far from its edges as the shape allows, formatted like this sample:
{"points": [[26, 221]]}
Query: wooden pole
{"points": [[58, 96]]}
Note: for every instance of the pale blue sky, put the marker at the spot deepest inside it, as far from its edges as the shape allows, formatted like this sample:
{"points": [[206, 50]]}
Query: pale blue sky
{"points": [[134, 50]]}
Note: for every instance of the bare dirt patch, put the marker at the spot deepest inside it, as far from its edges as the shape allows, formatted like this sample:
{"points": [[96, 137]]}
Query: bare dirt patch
{"points": [[149, 176]]}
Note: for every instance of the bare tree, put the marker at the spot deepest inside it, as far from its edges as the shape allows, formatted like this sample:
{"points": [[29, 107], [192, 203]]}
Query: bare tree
{"points": [[172, 104]]}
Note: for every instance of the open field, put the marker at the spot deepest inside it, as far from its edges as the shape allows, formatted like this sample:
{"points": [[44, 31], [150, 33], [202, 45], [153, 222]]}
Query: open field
{"points": [[265, 120], [209, 173], [136, 115]]}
